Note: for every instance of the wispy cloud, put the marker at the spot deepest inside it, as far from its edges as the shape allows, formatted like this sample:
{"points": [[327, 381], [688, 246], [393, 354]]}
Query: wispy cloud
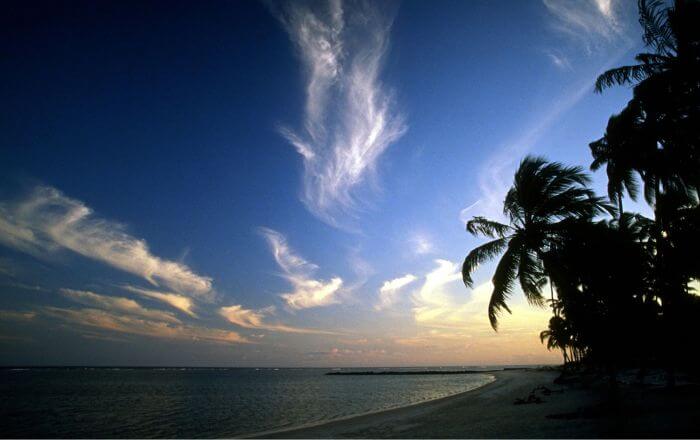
{"points": [[12, 315], [431, 301], [110, 321], [388, 293], [256, 319], [179, 302], [308, 292], [117, 304], [559, 60], [443, 303], [349, 116], [594, 23], [421, 243], [47, 221], [495, 175]]}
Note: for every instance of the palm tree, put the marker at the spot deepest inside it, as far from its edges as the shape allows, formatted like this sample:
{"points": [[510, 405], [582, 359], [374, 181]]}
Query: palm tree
{"points": [[623, 150], [544, 195], [659, 137], [671, 32], [657, 134], [557, 336]]}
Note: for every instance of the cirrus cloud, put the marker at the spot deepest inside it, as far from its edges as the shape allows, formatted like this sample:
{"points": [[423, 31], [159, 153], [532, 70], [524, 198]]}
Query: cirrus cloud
{"points": [[118, 323], [174, 300], [255, 319], [117, 304], [349, 115], [308, 292], [48, 221]]}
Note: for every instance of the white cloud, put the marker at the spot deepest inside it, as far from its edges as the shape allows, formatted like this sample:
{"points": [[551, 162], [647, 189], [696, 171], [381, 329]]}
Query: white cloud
{"points": [[453, 325], [559, 60], [47, 221], [388, 293], [421, 244], [255, 319], [308, 292], [431, 301], [605, 8], [349, 117], [103, 320], [584, 18], [179, 302], [592, 23], [443, 303], [117, 304]]}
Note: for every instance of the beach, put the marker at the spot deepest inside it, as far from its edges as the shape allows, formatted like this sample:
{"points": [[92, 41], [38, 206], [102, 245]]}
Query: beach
{"points": [[565, 411]]}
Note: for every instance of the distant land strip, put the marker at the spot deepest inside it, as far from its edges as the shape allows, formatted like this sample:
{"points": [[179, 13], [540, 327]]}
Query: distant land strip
{"points": [[408, 373]]}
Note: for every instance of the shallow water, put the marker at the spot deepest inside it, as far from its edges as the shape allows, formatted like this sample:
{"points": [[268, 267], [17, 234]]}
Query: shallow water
{"points": [[199, 402]]}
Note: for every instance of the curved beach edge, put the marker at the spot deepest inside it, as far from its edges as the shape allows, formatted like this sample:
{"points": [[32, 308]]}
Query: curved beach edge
{"points": [[348, 426]]}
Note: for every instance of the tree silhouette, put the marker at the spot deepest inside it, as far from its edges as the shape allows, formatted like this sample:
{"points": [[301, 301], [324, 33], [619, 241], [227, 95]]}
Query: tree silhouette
{"points": [[657, 136], [543, 195]]}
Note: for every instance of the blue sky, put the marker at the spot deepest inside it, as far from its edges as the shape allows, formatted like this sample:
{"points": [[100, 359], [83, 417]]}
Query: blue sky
{"points": [[250, 183]]}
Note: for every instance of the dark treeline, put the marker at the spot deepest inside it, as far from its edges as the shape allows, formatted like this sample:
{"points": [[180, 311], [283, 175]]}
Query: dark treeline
{"points": [[619, 284]]}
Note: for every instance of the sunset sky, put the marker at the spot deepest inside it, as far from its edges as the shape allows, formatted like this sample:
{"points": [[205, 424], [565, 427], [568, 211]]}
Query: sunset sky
{"points": [[280, 184]]}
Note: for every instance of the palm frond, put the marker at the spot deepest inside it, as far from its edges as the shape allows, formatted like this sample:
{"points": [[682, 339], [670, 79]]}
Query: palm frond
{"points": [[531, 276], [480, 255], [649, 188], [657, 30], [503, 280], [484, 226], [623, 75], [574, 202], [652, 58], [631, 184]]}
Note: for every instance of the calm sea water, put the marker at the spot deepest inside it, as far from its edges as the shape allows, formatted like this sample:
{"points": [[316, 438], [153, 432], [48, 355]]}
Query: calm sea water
{"points": [[199, 402]]}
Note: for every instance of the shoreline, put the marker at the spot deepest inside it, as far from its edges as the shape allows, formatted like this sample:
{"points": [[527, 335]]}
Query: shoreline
{"points": [[557, 411], [278, 433], [359, 422]]}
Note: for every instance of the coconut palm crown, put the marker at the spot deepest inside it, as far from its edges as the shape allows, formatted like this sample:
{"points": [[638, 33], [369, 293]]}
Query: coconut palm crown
{"points": [[544, 196]]}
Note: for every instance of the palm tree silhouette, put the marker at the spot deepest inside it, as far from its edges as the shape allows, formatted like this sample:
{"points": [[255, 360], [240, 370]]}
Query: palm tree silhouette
{"points": [[543, 195], [658, 136], [558, 335], [671, 34], [658, 133], [623, 150]]}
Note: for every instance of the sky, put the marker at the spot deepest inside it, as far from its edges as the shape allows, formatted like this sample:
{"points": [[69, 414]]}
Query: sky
{"points": [[281, 183]]}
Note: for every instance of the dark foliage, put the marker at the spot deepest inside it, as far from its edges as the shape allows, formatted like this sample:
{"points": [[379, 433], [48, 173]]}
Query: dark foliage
{"points": [[623, 286]]}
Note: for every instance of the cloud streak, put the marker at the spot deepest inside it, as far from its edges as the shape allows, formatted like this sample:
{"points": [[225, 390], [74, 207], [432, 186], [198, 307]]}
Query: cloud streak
{"points": [[48, 221], [255, 319], [388, 293], [110, 321], [442, 303], [349, 116], [496, 173], [117, 304], [307, 291], [179, 302], [594, 23]]}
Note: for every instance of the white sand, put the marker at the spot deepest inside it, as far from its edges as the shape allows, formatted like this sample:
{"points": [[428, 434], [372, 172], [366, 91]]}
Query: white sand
{"points": [[489, 412]]}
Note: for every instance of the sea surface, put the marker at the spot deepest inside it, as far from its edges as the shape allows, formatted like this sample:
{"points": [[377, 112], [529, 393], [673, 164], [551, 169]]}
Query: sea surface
{"points": [[200, 402]]}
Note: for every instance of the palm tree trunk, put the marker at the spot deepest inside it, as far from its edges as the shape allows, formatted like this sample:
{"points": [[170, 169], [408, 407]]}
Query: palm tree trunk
{"points": [[555, 310], [665, 285], [619, 207]]}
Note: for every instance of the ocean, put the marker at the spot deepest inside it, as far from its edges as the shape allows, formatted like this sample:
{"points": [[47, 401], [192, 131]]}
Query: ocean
{"points": [[201, 402]]}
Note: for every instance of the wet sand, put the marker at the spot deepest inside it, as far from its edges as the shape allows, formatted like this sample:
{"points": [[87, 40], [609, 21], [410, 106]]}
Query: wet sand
{"points": [[569, 411]]}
